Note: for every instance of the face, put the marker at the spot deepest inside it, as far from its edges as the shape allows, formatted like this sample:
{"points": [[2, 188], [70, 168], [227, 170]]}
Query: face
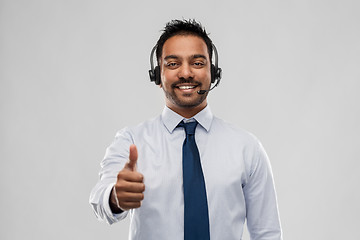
{"points": [[185, 69]]}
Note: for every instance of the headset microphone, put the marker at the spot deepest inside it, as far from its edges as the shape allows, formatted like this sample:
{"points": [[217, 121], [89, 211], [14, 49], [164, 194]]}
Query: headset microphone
{"points": [[201, 92]]}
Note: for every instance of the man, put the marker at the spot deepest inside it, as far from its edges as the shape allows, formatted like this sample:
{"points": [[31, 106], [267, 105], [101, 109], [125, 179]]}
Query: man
{"points": [[178, 183]]}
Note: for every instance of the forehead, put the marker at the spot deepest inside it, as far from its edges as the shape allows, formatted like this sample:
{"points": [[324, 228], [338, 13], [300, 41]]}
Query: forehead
{"points": [[184, 46]]}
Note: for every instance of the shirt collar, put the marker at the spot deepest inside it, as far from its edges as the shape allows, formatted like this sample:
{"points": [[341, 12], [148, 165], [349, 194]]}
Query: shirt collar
{"points": [[171, 119]]}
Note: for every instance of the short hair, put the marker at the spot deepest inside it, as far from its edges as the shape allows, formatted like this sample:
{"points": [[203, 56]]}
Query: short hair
{"points": [[183, 27]]}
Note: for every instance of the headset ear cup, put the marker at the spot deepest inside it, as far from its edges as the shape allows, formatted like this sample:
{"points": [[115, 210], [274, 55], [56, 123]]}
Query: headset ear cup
{"points": [[213, 73], [157, 75], [152, 75], [218, 73]]}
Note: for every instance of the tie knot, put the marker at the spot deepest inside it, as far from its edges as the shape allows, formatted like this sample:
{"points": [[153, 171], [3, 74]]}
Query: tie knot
{"points": [[189, 127]]}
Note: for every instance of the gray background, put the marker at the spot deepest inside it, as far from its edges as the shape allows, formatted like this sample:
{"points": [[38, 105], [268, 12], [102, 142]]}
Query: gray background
{"points": [[74, 72]]}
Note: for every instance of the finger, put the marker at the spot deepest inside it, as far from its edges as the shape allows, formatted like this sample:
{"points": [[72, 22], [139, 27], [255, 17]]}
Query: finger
{"points": [[130, 205], [130, 176], [131, 197], [130, 187], [133, 156]]}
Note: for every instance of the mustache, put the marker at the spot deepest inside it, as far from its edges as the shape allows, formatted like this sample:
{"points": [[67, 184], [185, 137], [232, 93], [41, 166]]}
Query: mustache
{"points": [[189, 80]]}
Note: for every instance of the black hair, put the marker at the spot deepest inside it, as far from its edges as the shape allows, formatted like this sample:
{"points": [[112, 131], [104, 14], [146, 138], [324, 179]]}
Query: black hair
{"points": [[183, 27]]}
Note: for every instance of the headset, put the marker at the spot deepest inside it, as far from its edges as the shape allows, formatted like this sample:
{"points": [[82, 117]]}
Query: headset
{"points": [[216, 72]]}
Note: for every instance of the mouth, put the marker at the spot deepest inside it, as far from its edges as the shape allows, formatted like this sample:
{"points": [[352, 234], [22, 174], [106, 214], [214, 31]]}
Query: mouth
{"points": [[186, 88], [186, 85]]}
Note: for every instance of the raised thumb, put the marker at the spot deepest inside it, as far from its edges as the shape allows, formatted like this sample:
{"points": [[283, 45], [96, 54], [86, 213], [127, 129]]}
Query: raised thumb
{"points": [[133, 156]]}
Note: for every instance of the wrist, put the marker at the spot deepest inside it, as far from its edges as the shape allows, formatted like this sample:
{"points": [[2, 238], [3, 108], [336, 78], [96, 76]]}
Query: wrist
{"points": [[114, 202]]}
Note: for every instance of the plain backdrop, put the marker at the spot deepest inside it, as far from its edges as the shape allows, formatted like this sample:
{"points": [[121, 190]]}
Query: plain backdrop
{"points": [[72, 73]]}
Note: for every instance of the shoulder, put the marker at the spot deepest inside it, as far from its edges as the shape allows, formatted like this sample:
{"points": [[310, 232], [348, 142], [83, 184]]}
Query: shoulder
{"points": [[233, 132], [145, 127], [238, 139], [239, 144]]}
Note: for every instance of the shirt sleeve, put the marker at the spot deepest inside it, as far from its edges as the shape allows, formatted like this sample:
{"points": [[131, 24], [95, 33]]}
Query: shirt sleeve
{"points": [[261, 204], [116, 156]]}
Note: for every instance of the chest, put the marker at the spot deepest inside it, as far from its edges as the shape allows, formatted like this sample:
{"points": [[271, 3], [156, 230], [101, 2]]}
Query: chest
{"points": [[160, 161]]}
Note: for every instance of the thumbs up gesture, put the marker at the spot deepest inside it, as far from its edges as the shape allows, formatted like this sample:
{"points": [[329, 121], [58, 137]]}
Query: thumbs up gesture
{"points": [[129, 186]]}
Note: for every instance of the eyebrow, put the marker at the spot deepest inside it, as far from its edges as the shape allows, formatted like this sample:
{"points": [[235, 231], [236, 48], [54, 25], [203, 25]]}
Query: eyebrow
{"points": [[177, 57], [171, 57], [199, 56]]}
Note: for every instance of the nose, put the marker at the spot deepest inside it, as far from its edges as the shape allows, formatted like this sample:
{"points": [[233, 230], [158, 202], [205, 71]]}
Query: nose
{"points": [[185, 71]]}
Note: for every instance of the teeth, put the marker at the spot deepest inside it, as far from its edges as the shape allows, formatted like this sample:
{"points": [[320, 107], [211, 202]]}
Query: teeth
{"points": [[186, 87]]}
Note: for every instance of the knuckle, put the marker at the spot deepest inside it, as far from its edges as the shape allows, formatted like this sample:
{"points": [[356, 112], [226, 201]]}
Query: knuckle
{"points": [[124, 206], [121, 185], [122, 198], [137, 205], [142, 196], [120, 175]]}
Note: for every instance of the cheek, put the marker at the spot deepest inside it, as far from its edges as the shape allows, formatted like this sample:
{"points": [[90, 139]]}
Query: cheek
{"points": [[167, 78], [206, 75]]}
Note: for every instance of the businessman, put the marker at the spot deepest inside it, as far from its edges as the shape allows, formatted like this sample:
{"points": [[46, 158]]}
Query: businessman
{"points": [[187, 174]]}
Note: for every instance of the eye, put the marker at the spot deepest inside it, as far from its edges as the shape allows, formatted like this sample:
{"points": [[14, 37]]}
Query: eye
{"points": [[198, 64], [172, 64]]}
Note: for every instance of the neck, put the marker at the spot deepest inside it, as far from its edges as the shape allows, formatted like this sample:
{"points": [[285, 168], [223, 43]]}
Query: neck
{"points": [[187, 112]]}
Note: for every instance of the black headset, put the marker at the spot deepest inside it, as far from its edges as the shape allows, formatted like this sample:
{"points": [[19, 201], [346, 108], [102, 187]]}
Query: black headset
{"points": [[154, 73]]}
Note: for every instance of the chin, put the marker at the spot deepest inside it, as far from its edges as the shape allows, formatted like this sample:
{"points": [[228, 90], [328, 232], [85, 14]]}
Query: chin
{"points": [[185, 101], [189, 104]]}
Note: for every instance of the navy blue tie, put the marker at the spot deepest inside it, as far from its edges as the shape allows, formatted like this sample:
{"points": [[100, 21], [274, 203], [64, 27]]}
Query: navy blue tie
{"points": [[196, 217]]}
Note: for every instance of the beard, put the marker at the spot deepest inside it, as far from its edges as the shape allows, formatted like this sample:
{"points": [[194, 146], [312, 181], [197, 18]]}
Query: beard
{"points": [[185, 103], [185, 100]]}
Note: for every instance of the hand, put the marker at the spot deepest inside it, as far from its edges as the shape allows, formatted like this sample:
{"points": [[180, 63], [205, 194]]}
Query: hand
{"points": [[129, 185]]}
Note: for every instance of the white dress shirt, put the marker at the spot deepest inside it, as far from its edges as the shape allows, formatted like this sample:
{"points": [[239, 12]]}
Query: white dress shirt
{"points": [[237, 172]]}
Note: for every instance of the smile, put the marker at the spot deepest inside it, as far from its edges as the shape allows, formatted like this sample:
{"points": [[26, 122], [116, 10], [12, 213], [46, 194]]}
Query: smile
{"points": [[186, 87]]}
